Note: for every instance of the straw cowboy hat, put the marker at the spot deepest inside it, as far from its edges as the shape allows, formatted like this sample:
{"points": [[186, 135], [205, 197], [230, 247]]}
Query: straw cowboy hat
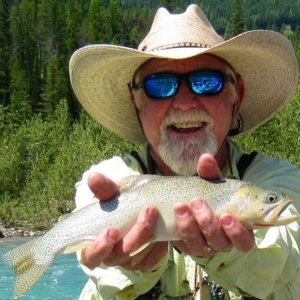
{"points": [[264, 59]]}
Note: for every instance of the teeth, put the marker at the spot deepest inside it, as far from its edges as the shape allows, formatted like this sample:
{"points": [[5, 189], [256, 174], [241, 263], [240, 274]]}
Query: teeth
{"points": [[188, 125]]}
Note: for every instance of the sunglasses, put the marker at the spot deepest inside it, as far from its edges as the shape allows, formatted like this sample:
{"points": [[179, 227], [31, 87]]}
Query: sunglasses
{"points": [[161, 86]]}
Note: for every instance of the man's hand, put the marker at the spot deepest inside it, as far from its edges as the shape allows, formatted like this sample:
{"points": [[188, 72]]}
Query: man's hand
{"points": [[110, 248], [202, 233]]}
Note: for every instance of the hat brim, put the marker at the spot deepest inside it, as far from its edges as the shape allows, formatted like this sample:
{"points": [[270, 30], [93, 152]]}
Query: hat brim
{"points": [[265, 60]]}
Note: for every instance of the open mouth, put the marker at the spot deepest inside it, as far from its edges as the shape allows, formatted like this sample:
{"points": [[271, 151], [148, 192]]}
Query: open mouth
{"points": [[187, 128], [273, 216]]}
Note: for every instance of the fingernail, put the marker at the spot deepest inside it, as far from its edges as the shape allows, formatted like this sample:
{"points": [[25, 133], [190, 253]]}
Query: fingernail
{"points": [[149, 214], [180, 211], [111, 235], [197, 205], [226, 220]]}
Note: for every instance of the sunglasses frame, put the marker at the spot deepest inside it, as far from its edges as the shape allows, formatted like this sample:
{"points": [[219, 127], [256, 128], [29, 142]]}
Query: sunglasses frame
{"points": [[185, 77]]}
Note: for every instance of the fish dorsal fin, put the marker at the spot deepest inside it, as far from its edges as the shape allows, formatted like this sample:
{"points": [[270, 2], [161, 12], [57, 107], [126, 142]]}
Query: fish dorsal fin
{"points": [[134, 181]]}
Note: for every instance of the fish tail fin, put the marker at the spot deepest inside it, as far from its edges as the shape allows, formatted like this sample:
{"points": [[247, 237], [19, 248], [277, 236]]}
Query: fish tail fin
{"points": [[27, 269]]}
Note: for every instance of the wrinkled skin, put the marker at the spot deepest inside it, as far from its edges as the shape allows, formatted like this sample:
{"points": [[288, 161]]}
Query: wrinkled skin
{"points": [[202, 233]]}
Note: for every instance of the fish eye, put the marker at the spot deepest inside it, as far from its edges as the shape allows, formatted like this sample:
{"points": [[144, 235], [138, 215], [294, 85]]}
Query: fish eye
{"points": [[271, 198]]}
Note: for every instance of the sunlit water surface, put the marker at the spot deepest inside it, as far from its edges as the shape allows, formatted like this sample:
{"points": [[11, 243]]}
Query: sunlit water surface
{"points": [[63, 280]]}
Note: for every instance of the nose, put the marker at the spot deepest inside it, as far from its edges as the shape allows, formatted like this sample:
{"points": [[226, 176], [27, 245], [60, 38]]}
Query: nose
{"points": [[185, 99]]}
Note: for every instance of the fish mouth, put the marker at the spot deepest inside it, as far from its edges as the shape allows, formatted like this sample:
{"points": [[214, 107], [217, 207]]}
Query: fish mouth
{"points": [[271, 216]]}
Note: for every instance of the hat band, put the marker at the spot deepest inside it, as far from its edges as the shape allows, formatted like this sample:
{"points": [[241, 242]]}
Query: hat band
{"points": [[180, 45]]}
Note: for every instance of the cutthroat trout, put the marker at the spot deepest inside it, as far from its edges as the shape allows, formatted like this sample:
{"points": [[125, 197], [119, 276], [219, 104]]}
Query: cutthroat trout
{"points": [[255, 207]]}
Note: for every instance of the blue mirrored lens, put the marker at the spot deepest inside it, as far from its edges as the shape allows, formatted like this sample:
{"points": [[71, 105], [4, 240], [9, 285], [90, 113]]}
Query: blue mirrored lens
{"points": [[206, 82], [161, 85]]}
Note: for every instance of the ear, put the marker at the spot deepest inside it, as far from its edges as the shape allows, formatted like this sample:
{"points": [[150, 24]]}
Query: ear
{"points": [[237, 119], [240, 89], [134, 103], [130, 91]]}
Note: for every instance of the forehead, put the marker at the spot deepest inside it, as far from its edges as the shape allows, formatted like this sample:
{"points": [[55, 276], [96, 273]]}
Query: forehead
{"points": [[182, 65]]}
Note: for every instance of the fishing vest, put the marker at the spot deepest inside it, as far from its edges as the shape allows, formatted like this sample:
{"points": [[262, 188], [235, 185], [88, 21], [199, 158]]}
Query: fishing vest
{"points": [[242, 165]]}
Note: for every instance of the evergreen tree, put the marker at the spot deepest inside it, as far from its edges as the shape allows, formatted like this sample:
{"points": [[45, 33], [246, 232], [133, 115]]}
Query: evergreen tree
{"points": [[19, 106], [53, 38], [4, 51], [55, 88], [99, 28], [296, 43], [171, 5], [118, 34], [237, 22], [25, 47], [73, 20], [287, 31]]}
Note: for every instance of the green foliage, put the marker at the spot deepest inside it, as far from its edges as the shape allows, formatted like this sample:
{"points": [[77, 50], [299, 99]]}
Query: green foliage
{"points": [[41, 161], [280, 136], [4, 51], [236, 25], [99, 27], [296, 43], [46, 142], [55, 88]]}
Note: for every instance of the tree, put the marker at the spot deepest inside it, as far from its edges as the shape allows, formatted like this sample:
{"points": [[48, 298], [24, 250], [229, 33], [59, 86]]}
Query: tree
{"points": [[172, 5], [237, 23], [26, 47], [99, 27], [287, 31], [296, 43], [4, 51], [115, 14], [19, 96], [54, 89]]}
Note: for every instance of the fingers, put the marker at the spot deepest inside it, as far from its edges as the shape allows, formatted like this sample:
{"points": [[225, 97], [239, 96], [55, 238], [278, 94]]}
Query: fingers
{"points": [[139, 234], [203, 234], [93, 255], [208, 167], [112, 250], [209, 226], [193, 242], [240, 237], [199, 229], [148, 258], [142, 231], [226, 232], [102, 187]]}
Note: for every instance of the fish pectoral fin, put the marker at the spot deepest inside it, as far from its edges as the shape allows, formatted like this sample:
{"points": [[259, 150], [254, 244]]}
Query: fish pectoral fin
{"points": [[142, 248], [77, 246]]}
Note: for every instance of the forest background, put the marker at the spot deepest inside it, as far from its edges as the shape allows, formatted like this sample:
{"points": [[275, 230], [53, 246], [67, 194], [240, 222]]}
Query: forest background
{"points": [[47, 140]]}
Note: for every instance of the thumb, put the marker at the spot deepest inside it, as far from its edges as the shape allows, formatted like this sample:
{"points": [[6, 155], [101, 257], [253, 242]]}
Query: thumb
{"points": [[208, 168], [102, 187]]}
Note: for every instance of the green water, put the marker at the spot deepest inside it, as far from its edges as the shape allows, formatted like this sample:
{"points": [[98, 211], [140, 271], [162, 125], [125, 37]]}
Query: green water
{"points": [[63, 280]]}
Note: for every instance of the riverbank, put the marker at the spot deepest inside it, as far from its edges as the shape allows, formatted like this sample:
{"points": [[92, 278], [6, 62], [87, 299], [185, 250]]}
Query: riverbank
{"points": [[64, 280], [18, 232]]}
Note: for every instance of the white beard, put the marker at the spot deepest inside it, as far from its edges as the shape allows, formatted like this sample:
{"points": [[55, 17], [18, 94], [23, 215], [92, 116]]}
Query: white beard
{"points": [[182, 155]]}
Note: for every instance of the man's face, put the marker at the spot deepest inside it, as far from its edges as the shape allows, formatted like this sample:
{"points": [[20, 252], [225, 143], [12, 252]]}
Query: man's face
{"points": [[187, 125]]}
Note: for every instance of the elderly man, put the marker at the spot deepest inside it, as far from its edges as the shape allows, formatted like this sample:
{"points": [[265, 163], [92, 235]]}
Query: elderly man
{"points": [[184, 92]]}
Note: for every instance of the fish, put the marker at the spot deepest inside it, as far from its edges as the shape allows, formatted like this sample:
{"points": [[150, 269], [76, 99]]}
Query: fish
{"points": [[256, 207]]}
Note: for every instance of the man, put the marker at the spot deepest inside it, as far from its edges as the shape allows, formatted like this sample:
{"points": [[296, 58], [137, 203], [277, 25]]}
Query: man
{"points": [[186, 91]]}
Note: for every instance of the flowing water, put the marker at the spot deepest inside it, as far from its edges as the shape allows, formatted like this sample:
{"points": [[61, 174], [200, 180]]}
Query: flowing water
{"points": [[63, 280]]}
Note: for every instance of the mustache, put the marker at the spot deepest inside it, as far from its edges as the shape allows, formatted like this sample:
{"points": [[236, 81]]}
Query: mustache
{"points": [[193, 117]]}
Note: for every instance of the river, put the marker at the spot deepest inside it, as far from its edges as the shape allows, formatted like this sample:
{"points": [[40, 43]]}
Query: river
{"points": [[63, 280]]}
